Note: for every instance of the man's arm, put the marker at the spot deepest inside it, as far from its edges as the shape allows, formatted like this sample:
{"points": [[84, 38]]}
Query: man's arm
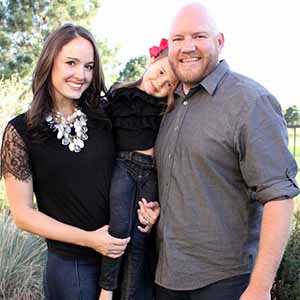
{"points": [[275, 230]]}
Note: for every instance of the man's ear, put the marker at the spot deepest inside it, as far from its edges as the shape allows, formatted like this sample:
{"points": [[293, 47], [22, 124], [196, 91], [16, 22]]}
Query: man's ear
{"points": [[221, 40]]}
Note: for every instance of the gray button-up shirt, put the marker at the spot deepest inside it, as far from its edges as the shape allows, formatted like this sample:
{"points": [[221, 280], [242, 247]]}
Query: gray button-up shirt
{"points": [[221, 154]]}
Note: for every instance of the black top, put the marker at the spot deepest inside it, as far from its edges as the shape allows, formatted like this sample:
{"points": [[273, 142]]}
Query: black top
{"points": [[70, 187], [135, 117]]}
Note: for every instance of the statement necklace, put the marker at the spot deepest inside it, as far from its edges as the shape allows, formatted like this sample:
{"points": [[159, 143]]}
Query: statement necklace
{"points": [[71, 130]]}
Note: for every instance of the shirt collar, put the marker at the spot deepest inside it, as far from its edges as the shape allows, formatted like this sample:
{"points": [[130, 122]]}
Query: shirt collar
{"points": [[211, 81]]}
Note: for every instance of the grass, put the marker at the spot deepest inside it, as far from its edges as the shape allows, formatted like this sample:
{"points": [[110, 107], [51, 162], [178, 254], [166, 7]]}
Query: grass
{"points": [[294, 142], [21, 262]]}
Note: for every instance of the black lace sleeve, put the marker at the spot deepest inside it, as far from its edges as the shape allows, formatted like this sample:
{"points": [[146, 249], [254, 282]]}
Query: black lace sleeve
{"points": [[14, 155]]}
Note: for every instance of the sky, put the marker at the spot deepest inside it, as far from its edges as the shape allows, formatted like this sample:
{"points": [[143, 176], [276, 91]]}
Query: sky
{"points": [[261, 36]]}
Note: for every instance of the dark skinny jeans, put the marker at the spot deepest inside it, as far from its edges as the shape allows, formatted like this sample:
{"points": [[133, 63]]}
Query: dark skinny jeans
{"points": [[134, 177]]}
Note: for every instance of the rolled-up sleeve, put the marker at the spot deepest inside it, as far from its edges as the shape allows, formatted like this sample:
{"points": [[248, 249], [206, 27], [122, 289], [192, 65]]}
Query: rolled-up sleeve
{"points": [[267, 165]]}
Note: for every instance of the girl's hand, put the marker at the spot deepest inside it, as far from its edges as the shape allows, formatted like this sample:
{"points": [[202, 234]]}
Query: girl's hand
{"points": [[148, 214]]}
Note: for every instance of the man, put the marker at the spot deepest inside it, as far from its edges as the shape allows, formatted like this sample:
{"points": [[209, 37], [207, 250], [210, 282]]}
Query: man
{"points": [[226, 176]]}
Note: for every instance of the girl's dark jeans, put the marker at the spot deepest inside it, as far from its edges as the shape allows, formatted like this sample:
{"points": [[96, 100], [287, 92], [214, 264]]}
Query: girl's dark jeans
{"points": [[134, 177]]}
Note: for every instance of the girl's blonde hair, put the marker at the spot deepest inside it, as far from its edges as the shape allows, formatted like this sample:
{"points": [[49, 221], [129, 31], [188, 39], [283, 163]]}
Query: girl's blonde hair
{"points": [[131, 84]]}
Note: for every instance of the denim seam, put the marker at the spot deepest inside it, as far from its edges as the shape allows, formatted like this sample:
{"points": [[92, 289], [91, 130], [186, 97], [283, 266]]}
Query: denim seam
{"points": [[128, 277], [77, 278]]}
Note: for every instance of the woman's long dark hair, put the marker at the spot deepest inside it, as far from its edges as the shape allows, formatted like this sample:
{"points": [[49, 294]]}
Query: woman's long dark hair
{"points": [[43, 94]]}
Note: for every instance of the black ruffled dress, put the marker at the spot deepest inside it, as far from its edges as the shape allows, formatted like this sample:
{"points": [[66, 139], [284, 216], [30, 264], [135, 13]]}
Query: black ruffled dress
{"points": [[135, 117]]}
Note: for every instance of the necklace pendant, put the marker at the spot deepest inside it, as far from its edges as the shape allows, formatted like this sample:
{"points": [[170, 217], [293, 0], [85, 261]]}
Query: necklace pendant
{"points": [[75, 138], [68, 129], [59, 134], [71, 146], [49, 118], [77, 149], [79, 143], [65, 141]]}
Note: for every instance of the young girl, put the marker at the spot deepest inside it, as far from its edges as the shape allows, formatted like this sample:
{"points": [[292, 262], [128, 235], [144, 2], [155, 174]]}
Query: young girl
{"points": [[136, 111]]}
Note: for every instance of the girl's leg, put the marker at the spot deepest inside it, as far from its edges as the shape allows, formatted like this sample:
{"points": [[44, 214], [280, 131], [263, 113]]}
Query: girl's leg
{"points": [[122, 195], [137, 256], [71, 279], [122, 198], [134, 265]]}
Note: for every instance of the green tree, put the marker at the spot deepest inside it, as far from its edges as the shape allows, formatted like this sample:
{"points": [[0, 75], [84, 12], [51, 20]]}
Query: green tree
{"points": [[133, 69], [111, 65], [25, 24], [292, 115]]}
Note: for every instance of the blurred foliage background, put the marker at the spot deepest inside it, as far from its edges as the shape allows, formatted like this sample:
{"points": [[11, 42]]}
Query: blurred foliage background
{"points": [[24, 26]]}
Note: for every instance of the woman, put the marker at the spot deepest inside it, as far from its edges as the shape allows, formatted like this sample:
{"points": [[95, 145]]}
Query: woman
{"points": [[62, 151]]}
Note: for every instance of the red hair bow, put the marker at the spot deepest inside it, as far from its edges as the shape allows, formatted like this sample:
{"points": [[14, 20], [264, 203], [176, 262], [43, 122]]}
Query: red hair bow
{"points": [[156, 50]]}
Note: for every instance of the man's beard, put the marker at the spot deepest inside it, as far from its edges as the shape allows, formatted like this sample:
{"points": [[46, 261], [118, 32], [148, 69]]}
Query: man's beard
{"points": [[189, 78]]}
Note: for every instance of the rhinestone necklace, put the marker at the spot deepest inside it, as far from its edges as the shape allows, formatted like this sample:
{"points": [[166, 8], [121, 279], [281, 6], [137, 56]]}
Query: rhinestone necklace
{"points": [[71, 130]]}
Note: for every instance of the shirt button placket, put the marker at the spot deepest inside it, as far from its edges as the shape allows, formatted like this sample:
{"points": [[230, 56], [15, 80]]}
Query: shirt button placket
{"points": [[174, 140]]}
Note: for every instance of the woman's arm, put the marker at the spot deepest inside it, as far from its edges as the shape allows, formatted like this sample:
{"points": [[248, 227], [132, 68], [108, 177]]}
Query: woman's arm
{"points": [[20, 197]]}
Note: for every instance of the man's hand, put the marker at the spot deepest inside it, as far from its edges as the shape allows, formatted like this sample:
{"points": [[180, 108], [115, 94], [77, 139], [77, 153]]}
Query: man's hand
{"points": [[252, 293]]}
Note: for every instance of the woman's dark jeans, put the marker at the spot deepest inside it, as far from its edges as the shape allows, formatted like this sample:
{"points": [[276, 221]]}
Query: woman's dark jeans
{"points": [[71, 279], [134, 177]]}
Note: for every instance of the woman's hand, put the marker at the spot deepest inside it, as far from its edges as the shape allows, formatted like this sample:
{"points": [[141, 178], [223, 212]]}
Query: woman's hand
{"points": [[107, 245], [20, 194], [148, 214]]}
